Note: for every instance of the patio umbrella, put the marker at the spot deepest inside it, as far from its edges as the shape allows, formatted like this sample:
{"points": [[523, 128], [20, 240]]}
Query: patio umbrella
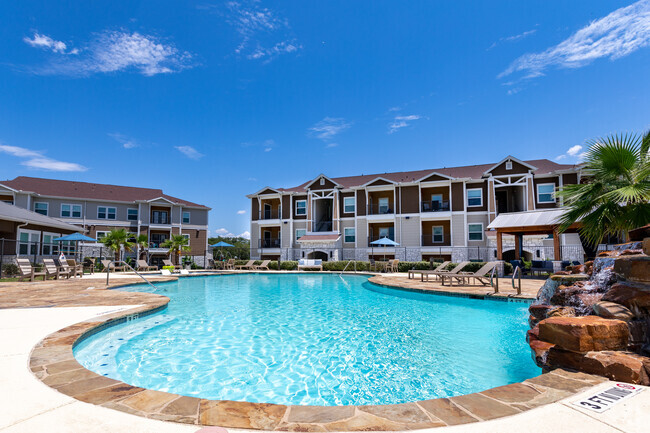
{"points": [[384, 242], [220, 245], [76, 237]]}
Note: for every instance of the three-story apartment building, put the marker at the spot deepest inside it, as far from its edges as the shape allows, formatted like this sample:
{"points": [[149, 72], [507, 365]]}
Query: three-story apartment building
{"points": [[99, 208], [439, 213]]}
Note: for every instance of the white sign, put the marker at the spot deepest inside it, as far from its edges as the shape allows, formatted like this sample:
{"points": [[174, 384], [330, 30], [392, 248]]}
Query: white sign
{"points": [[603, 400]]}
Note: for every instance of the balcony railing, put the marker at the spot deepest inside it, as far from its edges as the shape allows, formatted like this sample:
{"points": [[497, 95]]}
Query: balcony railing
{"points": [[380, 209], [434, 241], [272, 214], [434, 206], [159, 219], [376, 238], [270, 243]]}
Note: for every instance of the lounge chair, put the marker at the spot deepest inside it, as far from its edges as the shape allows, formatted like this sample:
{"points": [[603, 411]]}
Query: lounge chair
{"points": [[439, 268], [27, 270], [53, 270], [250, 265], [143, 266], [481, 275], [109, 265], [230, 264], [167, 262], [310, 264], [264, 266], [393, 267], [72, 271], [89, 264], [459, 267], [78, 267]]}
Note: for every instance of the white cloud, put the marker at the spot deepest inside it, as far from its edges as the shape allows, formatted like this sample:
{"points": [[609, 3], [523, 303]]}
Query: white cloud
{"points": [[126, 142], [252, 179], [264, 35], [46, 42], [115, 51], [268, 149], [614, 36], [241, 212], [330, 145], [37, 160], [189, 151], [329, 127], [223, 232], [513, 38], [573, 151], [245, 235], [401, 121]]}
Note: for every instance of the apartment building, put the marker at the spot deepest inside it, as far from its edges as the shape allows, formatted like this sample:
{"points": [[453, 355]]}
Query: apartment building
{"points": [[100, 208], [437, 213]]}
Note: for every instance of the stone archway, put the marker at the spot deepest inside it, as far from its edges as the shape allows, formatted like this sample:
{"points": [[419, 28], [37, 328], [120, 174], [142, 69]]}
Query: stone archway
{"points": [[510, 255], [318, 255]]}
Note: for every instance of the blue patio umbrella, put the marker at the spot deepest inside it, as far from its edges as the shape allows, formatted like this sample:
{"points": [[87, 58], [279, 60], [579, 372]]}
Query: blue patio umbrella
{"points": [[75, 237], [384, 242], [221, 244]]}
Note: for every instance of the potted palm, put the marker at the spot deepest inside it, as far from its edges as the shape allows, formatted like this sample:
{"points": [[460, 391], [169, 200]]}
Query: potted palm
{"points": [[118, 240], [176, 245]]}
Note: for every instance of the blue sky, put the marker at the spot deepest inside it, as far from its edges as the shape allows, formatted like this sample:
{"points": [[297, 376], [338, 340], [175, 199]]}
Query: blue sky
{"points": [[214, 100]]}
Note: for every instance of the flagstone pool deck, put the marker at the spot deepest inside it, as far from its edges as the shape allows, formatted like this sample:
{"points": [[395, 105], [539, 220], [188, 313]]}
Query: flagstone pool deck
{"points": [[45, 389]]}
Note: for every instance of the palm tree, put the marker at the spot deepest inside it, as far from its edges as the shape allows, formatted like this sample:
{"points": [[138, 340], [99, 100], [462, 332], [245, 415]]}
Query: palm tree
{"points": [[142, 242], [117, 239], [615, 196], [176, 244]]}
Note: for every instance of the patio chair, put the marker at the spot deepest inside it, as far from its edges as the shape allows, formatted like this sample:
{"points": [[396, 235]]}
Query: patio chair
{"points": [[439, 268], [72, 265], [110, 266], [372, 265], [230, 264], [310, 264], [392, 266], [167, 262], [438, 274], [89, 264], [249, 265], [144, 266], [263, 267], [54, 271], [27, 271], [481, 275]]}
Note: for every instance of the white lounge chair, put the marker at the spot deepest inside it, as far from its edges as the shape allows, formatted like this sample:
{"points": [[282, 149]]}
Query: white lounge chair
{"points": [[310, 264]]}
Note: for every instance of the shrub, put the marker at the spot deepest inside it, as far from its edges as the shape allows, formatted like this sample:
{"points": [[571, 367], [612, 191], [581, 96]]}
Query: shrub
{"points": [[10, 269], [406, 266], [169, 268]]}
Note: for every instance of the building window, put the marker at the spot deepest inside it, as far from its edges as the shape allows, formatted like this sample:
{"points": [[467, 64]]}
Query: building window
{"points": [[508, 165], [438, 234], [475, 197], [300, 233], [186, 236], [50, 248], [322, 181], [384, 232], [106, 213], [159, 217], [132, 214], [29, 242], [348, 205], [41, 208], [100, 235], [301, 207], [546, 193], [71, 211], [475, 232], [349, 234], [186, 217], [383, 205]]}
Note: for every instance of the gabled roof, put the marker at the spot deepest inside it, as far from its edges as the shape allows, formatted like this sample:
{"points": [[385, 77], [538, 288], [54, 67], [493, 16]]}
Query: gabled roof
{"points": [[318, 178], [510, 158], [86, 190], [378, 178], [434, 173], [17, 214]]}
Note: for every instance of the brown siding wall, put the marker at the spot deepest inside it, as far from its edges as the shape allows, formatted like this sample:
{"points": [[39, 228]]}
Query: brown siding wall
{"points": [[434, 178], [427, 232], [197, 241], [458, 199], [536, 181], [341, 207], [516, 169], [255, 209], [482, 185], [410, 199], [570, 179], [286, 207], [361, 203], [317, 186], [293, 209]]}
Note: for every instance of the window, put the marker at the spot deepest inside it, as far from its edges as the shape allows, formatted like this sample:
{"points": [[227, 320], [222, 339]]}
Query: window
{"points": [[41, 208], [71, 211], [186, 236], [475, 232], [348, 205], [300, 233], [508, 165], [132, 214], [438, 234], [159, 217], [301, 207], [186, 217], [546, 193], [383, 205], [475, 197], [349, 234], [322, 181], [29, 242], [106, 213], [384, 232], [100, 235], [436, 198]]}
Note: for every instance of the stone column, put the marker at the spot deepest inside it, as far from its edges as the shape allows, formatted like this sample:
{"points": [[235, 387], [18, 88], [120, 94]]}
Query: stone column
{"points": [[501, 268], [557, 265]]}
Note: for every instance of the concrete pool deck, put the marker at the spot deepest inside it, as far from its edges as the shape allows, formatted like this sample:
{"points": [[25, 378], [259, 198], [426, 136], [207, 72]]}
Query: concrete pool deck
{"points": [[539, 404]]}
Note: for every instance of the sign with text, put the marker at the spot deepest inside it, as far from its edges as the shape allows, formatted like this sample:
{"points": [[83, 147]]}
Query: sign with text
{"points": [[603, 400]]}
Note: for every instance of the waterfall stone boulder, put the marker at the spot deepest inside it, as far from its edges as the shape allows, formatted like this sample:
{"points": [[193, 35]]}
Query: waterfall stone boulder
{"points": [[612, 310], [584, 334]]}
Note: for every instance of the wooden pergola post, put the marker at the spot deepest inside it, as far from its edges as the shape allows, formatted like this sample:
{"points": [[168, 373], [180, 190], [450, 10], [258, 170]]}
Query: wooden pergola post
{"points": [[499, 245], [518, 238], [557, 254]]}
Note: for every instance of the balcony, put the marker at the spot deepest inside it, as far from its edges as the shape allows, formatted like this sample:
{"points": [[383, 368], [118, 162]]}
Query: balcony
{"points": [[434, 241], [434, 206], [270, 214], [380, 209], [161, 219], [269, 243], [323, 226]]}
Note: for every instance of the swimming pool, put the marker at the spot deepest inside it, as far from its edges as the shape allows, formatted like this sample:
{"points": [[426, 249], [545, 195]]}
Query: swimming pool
{"points": [[313, 339]]}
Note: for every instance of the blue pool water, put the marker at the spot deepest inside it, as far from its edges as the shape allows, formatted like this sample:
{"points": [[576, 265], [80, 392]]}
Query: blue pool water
{"points": [[313, 339]]}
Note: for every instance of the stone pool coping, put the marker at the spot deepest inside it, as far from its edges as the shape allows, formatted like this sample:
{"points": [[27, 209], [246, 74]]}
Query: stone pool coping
{"points": [[52, 361]]}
